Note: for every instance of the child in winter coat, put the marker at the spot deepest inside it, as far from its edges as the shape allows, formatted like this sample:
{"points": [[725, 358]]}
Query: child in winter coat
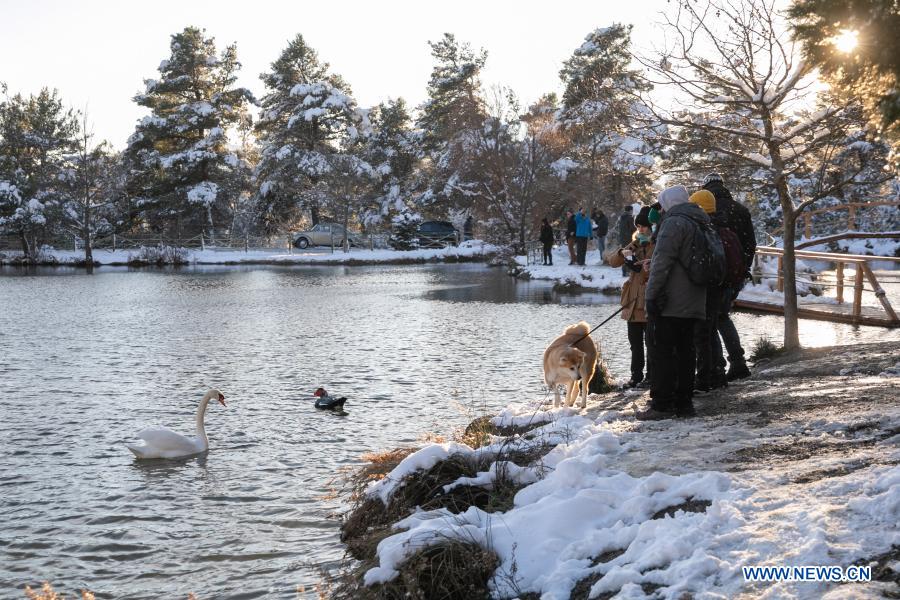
{"points": [[635, 256]]}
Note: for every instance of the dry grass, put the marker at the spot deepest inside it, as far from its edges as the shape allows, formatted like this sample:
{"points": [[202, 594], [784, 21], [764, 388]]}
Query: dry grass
{"points": [[47, 593], [449, 570]]}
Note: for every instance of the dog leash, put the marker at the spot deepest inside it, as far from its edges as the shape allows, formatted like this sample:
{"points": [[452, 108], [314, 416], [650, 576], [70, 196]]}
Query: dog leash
{"points": [[605, 321]]}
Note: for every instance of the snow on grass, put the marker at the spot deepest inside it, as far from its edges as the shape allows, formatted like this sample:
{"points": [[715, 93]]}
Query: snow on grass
{"points": [[211, 256], [606, 486]]}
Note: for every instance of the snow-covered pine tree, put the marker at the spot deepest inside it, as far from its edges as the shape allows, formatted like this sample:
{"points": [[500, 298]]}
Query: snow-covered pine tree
{"points": [[454, 109], [305, 115], [36, 135], [599, 107], [393, 151], [178, 156]]}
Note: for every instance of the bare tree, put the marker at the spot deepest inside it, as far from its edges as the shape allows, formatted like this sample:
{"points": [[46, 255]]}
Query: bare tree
{"points": [[745, 100]]}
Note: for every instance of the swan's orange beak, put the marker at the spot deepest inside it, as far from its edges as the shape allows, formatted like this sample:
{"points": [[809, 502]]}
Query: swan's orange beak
{"points": [[221, 399]]}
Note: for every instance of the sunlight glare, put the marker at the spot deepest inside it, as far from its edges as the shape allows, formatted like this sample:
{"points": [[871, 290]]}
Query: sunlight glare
{"points": [[846, 41]]}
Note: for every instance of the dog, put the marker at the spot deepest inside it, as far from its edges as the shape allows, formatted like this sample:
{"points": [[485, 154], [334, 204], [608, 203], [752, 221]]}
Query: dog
{"points": [[568, 364]]}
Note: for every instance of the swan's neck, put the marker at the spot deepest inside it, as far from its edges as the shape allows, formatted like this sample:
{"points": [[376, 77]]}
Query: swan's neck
{"points": [[201, 413]]}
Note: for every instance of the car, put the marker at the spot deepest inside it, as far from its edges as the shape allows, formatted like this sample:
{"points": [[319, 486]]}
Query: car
{"points": [[437, 234], [325, 234]]}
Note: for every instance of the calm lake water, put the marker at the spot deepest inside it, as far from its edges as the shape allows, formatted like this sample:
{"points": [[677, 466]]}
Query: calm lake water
{"points": [[88, 361]]}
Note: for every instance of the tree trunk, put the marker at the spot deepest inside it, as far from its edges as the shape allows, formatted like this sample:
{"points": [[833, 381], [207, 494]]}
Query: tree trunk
{"points": [[24, 239], [789, 265]]}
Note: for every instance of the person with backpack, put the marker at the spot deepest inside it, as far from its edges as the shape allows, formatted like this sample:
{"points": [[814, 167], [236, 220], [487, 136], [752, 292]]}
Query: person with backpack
{"points": [[635, 256], [547, 241], [674, 301], [736, 217], [709, 374]]}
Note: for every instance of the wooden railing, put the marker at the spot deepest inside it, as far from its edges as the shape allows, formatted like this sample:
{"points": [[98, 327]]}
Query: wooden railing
{"points": [[862, 272], [850, 207]]}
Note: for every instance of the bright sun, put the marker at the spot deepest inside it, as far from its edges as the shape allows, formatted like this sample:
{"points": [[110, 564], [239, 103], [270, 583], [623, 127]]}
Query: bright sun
{"points": [[846, 40]]}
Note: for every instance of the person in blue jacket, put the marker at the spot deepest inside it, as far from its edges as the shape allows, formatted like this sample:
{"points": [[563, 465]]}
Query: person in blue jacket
{"points": [[582, 234]]}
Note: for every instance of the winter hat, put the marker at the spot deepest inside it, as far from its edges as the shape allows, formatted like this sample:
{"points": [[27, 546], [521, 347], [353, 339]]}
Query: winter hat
{"points": [[713, 177], [643, 217], [705, 200], [671, 197], [653, 215]]}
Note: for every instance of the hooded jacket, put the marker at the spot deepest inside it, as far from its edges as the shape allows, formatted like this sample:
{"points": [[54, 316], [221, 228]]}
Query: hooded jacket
{"points": [[669, 286]]}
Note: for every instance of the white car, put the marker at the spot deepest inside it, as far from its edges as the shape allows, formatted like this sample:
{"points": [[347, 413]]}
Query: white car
{"points": [[325, 234]]}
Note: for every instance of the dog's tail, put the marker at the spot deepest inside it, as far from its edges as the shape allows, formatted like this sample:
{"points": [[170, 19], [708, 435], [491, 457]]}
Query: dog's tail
{"points": [[578, 329]]}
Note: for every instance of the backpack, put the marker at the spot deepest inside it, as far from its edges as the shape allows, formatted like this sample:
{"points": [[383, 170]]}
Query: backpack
{"points": [[707, 265], [735, 272]]}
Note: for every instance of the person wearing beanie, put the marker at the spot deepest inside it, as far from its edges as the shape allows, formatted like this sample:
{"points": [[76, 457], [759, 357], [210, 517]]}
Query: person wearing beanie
{"points": [[673, 304], [736, 217], [635, 257], [710, 374]]}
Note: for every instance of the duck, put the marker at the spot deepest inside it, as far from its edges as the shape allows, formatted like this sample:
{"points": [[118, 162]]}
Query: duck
{"points": [[323, 400], [165, 443]]}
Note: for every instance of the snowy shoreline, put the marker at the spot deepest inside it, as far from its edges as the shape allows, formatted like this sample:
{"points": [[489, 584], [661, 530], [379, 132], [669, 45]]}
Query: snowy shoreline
{"points": [[469, 251], [796, 466]]}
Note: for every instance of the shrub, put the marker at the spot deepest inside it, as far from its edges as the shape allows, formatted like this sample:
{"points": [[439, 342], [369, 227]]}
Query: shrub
{"points": [[764, 348], [159, 255]]}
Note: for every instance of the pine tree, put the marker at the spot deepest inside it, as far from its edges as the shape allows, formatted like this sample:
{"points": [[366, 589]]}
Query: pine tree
{"points": [[306, 114], [36, 135], [598, 111], [393, 151], [178, 155], [454, 110]]}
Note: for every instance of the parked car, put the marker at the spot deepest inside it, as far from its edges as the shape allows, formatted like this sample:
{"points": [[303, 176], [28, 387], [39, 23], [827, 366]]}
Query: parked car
{"points": [[324, 234], [437, 234]]}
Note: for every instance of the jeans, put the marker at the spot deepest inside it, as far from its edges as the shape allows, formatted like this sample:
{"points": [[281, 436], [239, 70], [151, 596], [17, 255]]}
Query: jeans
{"points": [[671, 344], [601, 247], [548, 255], [581, 243]]}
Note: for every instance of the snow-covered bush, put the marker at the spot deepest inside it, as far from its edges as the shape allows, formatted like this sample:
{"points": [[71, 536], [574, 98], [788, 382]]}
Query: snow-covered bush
{"points": [[159, 255]]}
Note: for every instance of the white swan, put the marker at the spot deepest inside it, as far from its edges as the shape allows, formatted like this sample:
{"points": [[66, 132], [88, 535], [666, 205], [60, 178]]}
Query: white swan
{"points": [[164, 443]]}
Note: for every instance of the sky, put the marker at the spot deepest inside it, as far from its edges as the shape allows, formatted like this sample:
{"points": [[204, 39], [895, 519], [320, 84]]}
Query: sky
{"points": [[98, 52]]}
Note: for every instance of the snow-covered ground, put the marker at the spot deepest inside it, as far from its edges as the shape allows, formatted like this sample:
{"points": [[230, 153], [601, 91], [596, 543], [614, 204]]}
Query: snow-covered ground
{"points": [[467, 249], [795, 467]]}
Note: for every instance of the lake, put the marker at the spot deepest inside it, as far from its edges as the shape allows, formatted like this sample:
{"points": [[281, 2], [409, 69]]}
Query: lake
{"points": [[89, 360]]}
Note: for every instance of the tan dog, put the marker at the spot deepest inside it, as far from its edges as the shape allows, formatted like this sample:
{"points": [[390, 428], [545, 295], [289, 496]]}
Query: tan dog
{"points": [[565, 364]]}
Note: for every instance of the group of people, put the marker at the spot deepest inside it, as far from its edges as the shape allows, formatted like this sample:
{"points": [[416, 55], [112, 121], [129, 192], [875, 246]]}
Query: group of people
{"points": [[678, 319], [580, 229]]}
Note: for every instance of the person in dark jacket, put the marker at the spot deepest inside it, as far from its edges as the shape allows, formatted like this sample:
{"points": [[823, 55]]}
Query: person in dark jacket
{"points": [[709, 374], [570, 235], [674, 304], [600, 229], [626, 231], [735, 216], [547, 240], [582, 234]]}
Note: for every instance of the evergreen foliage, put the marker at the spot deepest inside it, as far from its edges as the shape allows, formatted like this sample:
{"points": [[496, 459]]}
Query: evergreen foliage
{"points": [[178, 157]]}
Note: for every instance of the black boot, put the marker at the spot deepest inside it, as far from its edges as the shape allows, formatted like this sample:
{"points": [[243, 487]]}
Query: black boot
{"points": [[737, 370]]}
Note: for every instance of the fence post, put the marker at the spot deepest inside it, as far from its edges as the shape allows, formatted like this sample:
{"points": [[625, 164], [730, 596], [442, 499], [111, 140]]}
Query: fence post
{"points": [[780, 280], [114, 242], [851, 218], [857, 292], [246, 243], [290, 245], [840, 282], [202, 244], [807, 226]]}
